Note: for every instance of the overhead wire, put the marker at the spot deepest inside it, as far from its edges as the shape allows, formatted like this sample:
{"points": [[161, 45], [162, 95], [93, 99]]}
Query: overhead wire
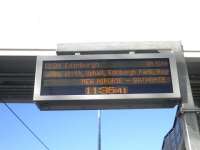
{"points": [[25, 125]]}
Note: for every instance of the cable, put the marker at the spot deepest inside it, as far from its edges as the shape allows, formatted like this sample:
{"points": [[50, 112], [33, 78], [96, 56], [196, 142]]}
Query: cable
{"points": [[25, 125]]}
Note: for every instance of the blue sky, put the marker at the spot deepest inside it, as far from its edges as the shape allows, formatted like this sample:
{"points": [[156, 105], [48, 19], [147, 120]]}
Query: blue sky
{"points": [[60, 130]]}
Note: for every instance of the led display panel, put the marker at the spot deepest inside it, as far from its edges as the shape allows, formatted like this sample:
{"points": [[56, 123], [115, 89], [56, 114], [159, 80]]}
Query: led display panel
{"points": [[106, 77], [91, 77]]}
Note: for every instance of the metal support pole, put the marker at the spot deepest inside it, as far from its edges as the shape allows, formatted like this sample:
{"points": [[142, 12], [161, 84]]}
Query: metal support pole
{"points": [[188, 119], [99, 130]]}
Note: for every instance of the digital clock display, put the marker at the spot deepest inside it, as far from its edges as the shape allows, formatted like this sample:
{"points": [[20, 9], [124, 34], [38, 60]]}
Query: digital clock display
{"points": [[106, 76]]}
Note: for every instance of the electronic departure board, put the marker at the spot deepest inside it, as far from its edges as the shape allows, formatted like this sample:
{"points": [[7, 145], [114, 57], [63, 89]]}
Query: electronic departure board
{"points": [[106, 77]]}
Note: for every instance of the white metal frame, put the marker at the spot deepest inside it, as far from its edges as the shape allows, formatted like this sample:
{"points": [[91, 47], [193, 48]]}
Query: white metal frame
{"points": [[170, 96]]}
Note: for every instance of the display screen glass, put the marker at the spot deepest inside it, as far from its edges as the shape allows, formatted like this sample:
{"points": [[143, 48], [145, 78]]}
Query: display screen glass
{"points": [[106, 76]]}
